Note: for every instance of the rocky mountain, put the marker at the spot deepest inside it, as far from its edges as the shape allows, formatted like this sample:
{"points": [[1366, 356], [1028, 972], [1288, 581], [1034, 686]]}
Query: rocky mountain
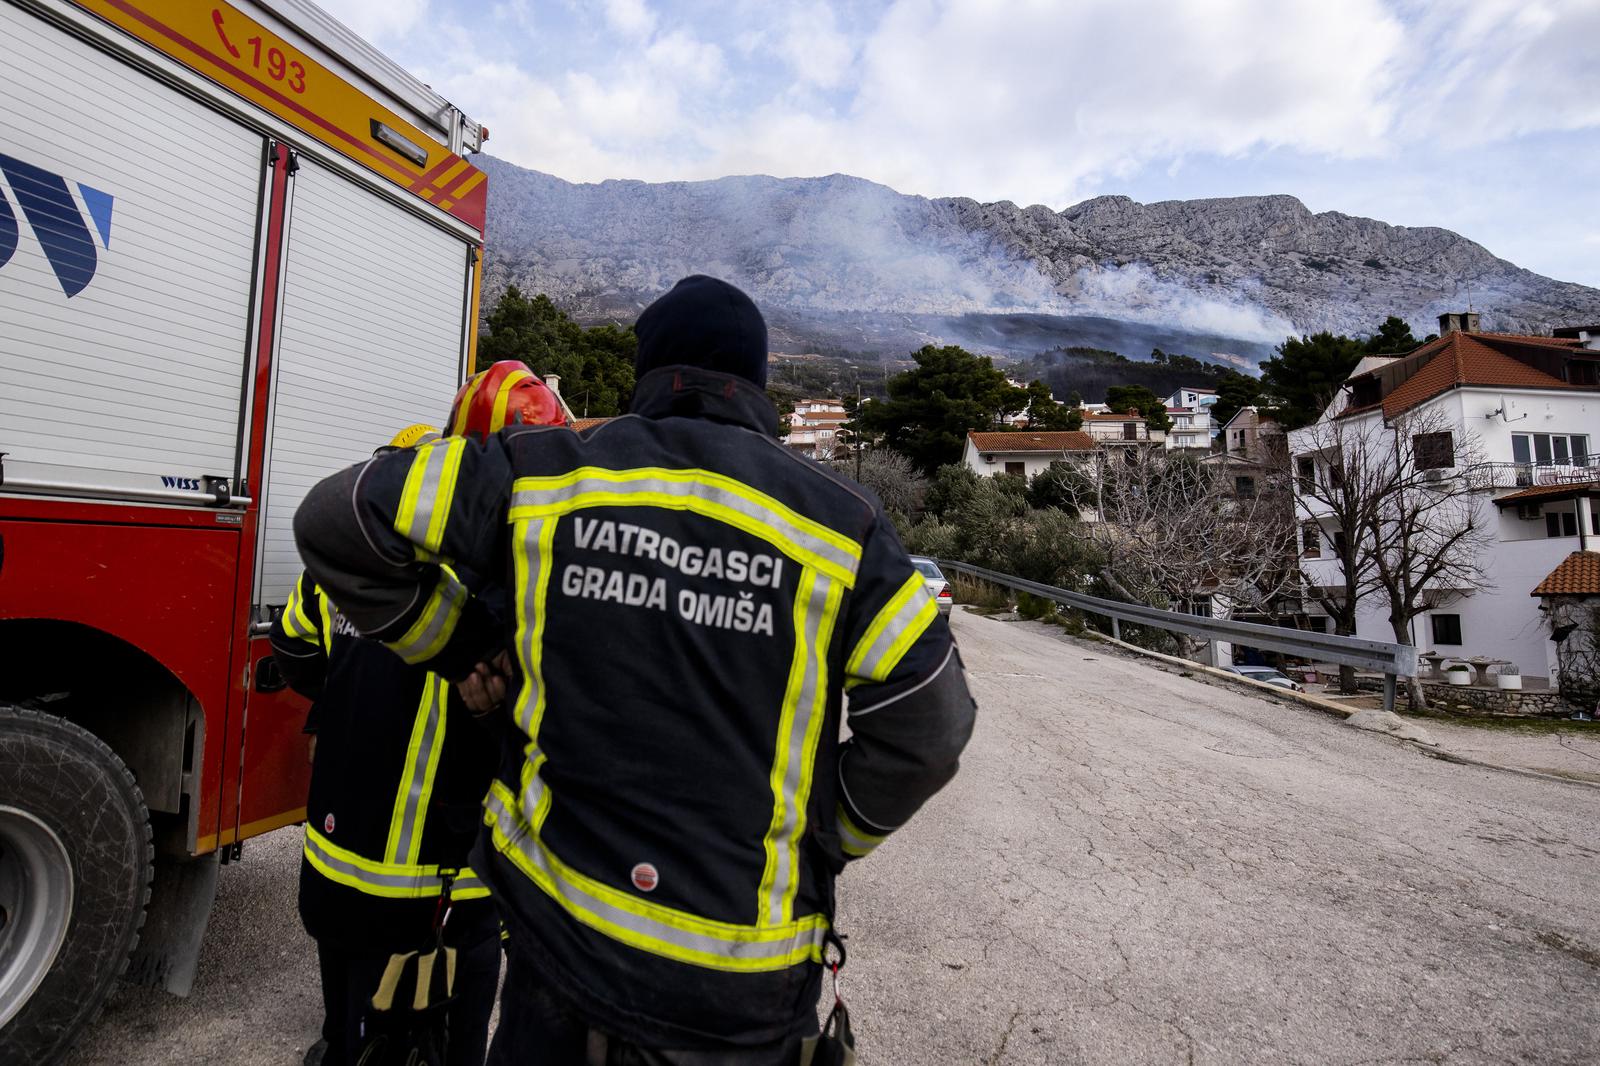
{"points": [[842, 264]]}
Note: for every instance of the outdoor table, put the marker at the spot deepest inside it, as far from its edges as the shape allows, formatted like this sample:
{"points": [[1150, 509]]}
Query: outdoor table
{"points": [[1481, 665]]}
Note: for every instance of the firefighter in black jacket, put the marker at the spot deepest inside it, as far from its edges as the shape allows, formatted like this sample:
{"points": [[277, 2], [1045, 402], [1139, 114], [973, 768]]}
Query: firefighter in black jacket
{"points": [[690, 602], [399, 771]]}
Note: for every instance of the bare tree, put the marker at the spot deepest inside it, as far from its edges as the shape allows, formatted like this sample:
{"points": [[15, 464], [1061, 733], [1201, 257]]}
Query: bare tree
{"points": [[1427, 536], [1342, 473], [1174, 536], [891, 475]]}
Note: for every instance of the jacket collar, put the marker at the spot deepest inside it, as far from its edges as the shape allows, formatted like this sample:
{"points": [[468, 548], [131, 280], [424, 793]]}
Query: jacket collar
{"points": [[690, 392]]}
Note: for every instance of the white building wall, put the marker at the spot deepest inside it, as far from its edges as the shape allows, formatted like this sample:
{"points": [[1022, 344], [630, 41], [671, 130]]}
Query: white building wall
{"points": [[1500, 620], [1033, 462]]}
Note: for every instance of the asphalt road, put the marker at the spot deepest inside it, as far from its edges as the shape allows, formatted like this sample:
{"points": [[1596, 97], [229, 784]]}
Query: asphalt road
{"points": [[1132, 867]]}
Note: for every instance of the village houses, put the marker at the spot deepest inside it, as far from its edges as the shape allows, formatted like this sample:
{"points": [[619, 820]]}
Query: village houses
{"points": [[1515, 420]]}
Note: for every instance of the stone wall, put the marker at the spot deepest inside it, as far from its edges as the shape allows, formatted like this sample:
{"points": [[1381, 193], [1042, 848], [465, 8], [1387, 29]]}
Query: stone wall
{"points": [[1473, 699]]}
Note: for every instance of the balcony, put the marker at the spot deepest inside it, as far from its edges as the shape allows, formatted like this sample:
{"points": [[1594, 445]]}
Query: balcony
{"points": [[1578, 468]]}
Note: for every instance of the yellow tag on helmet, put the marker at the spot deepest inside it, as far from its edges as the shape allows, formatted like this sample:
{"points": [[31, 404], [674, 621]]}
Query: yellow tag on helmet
{"points": [[412, 436]]}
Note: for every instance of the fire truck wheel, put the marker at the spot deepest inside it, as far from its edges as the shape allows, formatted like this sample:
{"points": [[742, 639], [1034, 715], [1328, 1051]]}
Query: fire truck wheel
{"points": [[75, 869]]}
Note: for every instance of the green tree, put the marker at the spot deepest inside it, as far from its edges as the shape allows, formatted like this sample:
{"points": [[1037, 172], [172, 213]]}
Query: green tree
{"points": [[1124, 398], [1308, 370], [933, 406], [595, 364], [1045, 413], [1234, 391], [1392, 338]]}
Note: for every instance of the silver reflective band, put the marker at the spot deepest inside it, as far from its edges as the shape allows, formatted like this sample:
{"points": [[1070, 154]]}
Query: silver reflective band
{"points": [[815, 592], [616, 486], [437, 620], [744, 948], [421, 881], [427, 734]]}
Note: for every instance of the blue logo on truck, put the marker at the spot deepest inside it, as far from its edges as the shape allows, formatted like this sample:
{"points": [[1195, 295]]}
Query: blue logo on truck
{"points": [[52, 212]]}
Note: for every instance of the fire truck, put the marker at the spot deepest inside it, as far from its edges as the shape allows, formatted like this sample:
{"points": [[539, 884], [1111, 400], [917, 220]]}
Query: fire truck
{"points": [[239, 248]]}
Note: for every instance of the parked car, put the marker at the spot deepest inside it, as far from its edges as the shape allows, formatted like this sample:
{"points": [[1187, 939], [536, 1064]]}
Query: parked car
{"points": [[1268, 675], [938, 587]]}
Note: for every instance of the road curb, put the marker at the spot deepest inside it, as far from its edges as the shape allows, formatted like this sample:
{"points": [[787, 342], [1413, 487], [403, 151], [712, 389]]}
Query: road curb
{"points": [[1329, 707]]}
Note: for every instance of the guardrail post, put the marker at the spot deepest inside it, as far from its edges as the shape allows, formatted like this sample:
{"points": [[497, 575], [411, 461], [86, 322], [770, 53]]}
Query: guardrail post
{"points": [[1388, 692], [1116, 630]]}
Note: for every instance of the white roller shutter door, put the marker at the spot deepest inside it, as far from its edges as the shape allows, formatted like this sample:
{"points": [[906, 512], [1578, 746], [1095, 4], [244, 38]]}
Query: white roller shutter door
{"points": [[371, 342], [127, 247]]}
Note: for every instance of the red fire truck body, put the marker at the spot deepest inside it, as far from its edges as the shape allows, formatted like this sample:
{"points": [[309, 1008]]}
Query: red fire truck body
{"points": [[239, 249]]}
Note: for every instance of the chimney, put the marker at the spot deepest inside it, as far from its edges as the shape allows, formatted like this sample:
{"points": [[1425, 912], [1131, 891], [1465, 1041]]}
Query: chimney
{"points": [[1453, 321], [553, 382]]}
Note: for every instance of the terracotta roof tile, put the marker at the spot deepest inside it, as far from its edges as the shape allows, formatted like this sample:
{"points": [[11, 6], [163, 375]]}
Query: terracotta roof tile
{"points": [[1460, 358], [1547, 492], [1093, 416], [1065, 440], [1578, 575], [581, 424]]}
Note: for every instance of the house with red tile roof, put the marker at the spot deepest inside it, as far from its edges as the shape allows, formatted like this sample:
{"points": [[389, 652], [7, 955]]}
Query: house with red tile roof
{"points": [[1026, 452], [1569, 599], [1526, 409]]}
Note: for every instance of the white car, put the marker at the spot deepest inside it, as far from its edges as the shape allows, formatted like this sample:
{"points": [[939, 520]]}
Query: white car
{"points": [[1268, 675], [938, 587]]}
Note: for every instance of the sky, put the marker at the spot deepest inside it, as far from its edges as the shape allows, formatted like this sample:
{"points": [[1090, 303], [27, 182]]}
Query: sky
{"points": [[1481, 116]]}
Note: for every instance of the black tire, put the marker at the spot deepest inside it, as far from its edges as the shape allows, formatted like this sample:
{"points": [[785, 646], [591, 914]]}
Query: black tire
{"points": [[69, 781]]}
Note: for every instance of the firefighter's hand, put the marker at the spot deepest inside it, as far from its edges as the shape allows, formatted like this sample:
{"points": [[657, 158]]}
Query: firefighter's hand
{"points": [[484, 690], [311, 749]]}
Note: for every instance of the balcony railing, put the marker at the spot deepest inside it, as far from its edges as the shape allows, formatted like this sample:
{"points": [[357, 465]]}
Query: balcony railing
{"points": [[1528, 475]]}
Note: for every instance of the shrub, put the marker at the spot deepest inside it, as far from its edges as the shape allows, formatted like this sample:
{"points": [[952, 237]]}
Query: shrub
{"points": [[1035, 607]]}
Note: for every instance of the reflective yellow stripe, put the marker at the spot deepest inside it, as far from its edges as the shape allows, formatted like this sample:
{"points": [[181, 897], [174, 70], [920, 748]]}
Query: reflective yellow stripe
{"points": [[296, 620], [464, 408], [436, 624], [641, 924], [700, 492], [390, 880], [799, 726], [429, 489], [895, 628], [533, 569], [497, 420], [416, 783], [854, 840]]}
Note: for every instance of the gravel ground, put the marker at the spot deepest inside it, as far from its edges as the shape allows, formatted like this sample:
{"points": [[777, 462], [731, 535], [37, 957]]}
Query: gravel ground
{"points": [[1132, 867]]}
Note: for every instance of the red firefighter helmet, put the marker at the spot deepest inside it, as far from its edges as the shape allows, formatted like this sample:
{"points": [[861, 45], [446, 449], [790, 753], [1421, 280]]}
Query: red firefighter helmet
{"points": [[507, 394]]}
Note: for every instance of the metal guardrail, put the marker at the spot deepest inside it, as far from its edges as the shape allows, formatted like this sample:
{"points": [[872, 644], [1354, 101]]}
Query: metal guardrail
{"points": [[1391, 660]]}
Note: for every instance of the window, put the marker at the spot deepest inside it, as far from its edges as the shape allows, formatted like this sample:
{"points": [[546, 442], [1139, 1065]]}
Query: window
{"points": [[1130, 431], [1311, 540], [1434, 451], [1018, 469], [1581, 371], [1446, 629], [1339, 542], [1245, 487], [1547, 449], [1306, 467], [1560, 524]]}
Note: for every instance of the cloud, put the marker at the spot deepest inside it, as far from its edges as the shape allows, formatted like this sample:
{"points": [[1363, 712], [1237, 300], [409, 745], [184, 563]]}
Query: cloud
{"points": [[632, 18], [383, 21]]}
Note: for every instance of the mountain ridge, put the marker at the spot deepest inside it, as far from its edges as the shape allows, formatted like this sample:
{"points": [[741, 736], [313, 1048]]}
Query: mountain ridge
{"points": [[849, 263]]}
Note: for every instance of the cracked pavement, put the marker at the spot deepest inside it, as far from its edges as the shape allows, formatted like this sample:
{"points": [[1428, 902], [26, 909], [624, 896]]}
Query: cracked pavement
{"points": [[1138, 867], [1132, 867]]}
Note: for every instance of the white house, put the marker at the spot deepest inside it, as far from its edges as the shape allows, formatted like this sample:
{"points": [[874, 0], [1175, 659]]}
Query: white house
{"points": [[1025, 452], [1120, 430], [1533, 405], [1191, 397], [1191, 428], [814, 427]]}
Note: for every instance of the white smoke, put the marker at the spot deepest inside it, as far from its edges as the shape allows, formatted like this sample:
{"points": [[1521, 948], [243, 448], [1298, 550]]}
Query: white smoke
{"points": [[1134, 293]]}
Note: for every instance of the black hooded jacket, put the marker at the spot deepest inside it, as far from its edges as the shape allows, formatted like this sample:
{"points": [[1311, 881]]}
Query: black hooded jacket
{"points": [[690, 602]]}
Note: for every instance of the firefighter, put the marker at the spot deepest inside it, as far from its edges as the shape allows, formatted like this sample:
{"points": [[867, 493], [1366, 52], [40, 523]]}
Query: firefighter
{"points": [[399, 771], [690, 603]]}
